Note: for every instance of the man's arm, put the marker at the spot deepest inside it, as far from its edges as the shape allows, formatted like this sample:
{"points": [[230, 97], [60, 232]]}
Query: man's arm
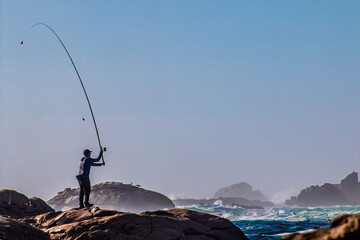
{"points": [[97, 164], [98, 158]]}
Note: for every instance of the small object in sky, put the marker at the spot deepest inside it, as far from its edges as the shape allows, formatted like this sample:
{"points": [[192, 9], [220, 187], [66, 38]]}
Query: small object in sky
{"points": [[22, 42], [83, 119]]}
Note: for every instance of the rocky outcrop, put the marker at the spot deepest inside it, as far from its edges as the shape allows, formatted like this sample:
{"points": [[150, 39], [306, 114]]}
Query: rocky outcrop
{"points": [[240, 190], [325, 195], [17, 205], [114, 195], [351, 188], [344, 227], [350, 183], [241, 195], [345, 193], [229, 202], [96, 224], [11, 229]]}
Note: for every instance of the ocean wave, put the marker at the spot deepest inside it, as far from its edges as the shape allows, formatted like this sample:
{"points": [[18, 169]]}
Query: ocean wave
{"points": [[273, 223], [282, 213]]}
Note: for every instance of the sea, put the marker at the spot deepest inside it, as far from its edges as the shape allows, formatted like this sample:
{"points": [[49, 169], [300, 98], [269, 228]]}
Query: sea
{"points": [[276, 222]]}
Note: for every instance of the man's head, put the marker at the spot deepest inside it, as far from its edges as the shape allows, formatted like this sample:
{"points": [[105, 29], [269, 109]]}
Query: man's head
{"points": [[87, 153]]}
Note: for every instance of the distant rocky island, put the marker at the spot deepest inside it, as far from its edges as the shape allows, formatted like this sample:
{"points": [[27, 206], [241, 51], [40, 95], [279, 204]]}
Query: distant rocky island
{"points": [[114, 195], [240, 190], [240, 194], [345, 193]]}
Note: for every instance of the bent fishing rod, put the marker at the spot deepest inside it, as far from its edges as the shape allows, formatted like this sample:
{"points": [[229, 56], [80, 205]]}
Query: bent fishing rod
{"points": [[82, 84]]}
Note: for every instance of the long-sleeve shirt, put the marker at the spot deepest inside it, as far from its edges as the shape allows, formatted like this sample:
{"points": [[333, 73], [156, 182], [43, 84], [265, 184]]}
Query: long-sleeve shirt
{"points": [[86, 163]]}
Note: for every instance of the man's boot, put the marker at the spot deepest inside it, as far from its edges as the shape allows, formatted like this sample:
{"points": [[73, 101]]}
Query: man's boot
{"points": [[89, 204]]}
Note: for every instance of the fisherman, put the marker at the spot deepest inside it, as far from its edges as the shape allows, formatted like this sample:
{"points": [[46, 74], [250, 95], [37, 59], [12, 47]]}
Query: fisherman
{"points": [[83, 176]]}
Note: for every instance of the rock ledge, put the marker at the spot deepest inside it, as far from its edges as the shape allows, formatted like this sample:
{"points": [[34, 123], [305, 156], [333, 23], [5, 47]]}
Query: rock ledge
{"points": [[95, 224]]}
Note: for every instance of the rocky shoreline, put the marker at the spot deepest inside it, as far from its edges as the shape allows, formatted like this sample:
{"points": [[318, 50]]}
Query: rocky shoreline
{"points": [[97, 224], [23, 218]]}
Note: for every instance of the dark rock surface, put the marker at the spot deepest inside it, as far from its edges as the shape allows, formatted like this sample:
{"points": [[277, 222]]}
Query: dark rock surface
{"points": [[96, 224], [345, 193], [17, 205], [230, 202], [114, 195], [351, 188], [325, 195], [344, 227], [240, 190], [11, 229]]}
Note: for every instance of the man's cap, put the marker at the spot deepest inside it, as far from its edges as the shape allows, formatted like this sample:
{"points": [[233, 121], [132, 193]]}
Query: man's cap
{"points": [[86, 152]]}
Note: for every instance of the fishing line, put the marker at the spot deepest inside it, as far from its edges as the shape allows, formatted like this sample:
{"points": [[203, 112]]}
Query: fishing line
{"points": [[82, 84]]}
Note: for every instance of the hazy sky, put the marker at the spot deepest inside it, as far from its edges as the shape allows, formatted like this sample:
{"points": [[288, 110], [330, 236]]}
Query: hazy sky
{"points": [[189, 96]]}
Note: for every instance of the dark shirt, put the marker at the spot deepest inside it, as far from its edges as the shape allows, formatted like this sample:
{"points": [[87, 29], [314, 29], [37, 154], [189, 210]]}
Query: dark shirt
{"points": [[86, 163]]}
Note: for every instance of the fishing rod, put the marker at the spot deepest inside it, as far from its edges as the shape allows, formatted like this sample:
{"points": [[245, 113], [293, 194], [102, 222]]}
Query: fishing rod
{"points": [[82, 84]]}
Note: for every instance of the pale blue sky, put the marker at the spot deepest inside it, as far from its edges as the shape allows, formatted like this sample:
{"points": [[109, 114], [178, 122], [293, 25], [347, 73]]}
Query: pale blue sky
{"points": [[189, 96]]}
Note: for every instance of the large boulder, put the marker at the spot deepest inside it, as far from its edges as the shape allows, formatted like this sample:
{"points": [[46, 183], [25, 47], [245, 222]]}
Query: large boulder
{"points": [[96, 224], [344, 227], [114, 195], [17, 205], [11, 229], [241, 190]]}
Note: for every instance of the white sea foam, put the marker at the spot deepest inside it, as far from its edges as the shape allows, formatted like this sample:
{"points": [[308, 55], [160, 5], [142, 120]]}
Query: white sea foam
{"points": [[288, 233], [174, 196], [281, 196], [277, 213]]}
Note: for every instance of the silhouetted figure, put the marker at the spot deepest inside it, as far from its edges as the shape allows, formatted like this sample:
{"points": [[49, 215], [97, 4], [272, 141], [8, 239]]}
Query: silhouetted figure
{"points": [[83, 176]]}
